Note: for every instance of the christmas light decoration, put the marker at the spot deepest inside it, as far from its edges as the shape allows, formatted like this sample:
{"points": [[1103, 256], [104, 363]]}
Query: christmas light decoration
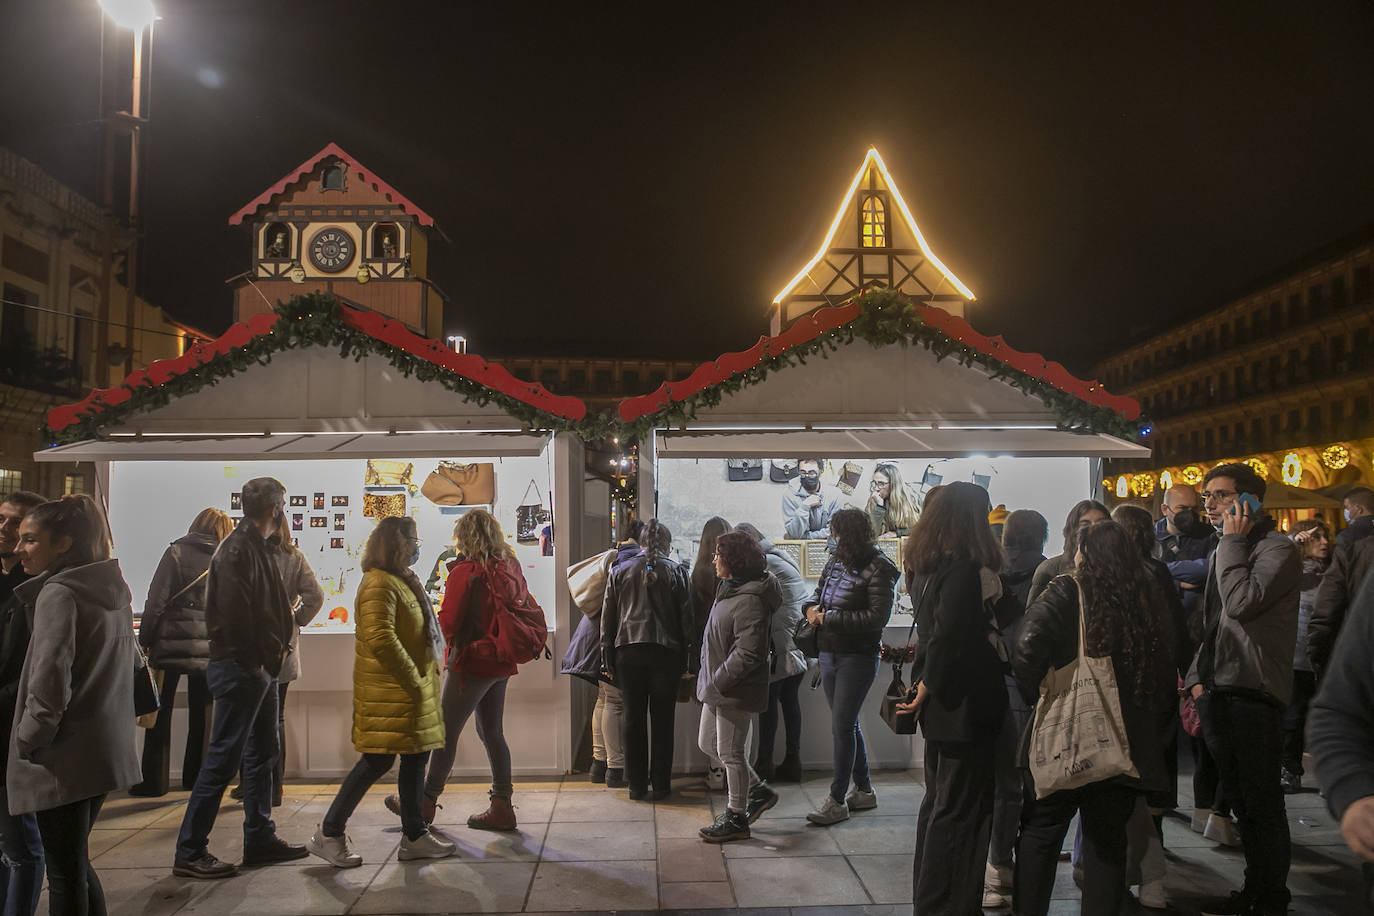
{"points": [[1192, 475], [1292, 469], [1123, 487], [1143, 485], [1166, 480], [1259, 467], [1335, 457]]}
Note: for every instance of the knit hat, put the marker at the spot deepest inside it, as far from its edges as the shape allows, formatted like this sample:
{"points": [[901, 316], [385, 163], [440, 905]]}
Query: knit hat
{"points": [[998, 516]]}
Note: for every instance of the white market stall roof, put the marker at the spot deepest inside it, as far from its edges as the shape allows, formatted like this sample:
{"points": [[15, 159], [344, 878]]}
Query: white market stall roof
{"points": [[896, 398], [322, 381]]}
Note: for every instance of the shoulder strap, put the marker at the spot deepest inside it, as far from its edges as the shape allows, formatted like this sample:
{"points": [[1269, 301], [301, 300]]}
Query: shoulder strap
{"points": [[189, 585], [535, 487]]}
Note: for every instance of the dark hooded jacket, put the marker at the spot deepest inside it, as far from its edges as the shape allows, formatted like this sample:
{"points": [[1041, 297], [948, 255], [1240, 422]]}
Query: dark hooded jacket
{"points": [[247, 613], [172, 629], [734, 648]]}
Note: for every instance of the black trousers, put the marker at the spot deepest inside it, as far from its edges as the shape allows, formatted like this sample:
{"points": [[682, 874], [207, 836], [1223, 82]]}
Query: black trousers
{"points": [[1208, 792], [648, 675], [1295, 720], [73, 886], [158, 740], [1104, 808], [951, 830], [1245, 737]]}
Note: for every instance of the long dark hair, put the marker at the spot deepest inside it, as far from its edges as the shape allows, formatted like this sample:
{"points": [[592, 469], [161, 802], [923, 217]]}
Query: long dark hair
{"points": [[954, 526], [704, 579], [1123, 610], [656, 539], [1076, 514], [79, 518], [853, 533]]}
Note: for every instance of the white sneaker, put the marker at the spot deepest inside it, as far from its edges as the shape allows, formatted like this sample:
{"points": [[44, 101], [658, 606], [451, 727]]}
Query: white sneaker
{"points": [[859, 800], [1151, 896], [1221, 829], [715, 778], [998, 877], [428, 846], [1199, 822], [830, 812], [333, 849]]}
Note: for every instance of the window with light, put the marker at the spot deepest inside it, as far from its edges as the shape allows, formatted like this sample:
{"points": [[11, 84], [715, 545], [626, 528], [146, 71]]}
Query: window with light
{"points": [[10, 481], [73, 483], [873, 222]]}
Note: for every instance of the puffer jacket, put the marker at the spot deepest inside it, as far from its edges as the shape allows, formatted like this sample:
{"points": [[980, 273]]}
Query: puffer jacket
{"points": [[857, 603], [246, 611], [306, 597], [583, 658], [395, 676], [1250, 616], [636, 612], [505, 585], [73, 732], [734, 648], [1049, 640], [788, 660], [172, 629]]}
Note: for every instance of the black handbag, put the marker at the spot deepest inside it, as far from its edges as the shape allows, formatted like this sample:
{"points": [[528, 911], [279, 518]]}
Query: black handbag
{"points": [[744, 468], [146, 699], [531, 517], [807, 639], [902, 722], [781, 470]]}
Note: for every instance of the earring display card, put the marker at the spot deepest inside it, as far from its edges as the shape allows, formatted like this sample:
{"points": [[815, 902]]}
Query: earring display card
{"points": [[339, 521], [297, 521], [298, 502], [319, 521], [338, 502], [319, 500], [236, 501], [336, 543]]}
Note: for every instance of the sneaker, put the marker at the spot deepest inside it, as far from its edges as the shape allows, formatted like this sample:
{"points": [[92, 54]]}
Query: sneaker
{"points": [[273, 849], [598, 772], [715, 778], [731, 825], [830, 812], [761, 798], [236, 793], [428, 846], [993, 899], [790, 770], [1240, 903], [1221, 829], [204, 866], [998, 876], [615, 778], [1291, 782], [859, 800], [1200, 816], [333, 849], [1151, 895]]}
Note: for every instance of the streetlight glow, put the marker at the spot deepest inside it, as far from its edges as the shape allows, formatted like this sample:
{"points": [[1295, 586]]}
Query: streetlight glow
{"points": [[130, 14]]}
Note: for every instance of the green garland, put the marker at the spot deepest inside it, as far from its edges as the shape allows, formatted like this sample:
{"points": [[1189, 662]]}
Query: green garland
{"points": [[886, 317]]}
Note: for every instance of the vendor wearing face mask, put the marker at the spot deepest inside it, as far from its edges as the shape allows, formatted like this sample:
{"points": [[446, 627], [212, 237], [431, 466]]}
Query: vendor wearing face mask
{"points": [[806, 510]]}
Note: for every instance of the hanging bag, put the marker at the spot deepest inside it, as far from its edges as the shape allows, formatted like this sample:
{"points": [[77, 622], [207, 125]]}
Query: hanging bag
{"points": [[146, 698], [587, 581], [902, 722], [530, 517], [1079, 736]]}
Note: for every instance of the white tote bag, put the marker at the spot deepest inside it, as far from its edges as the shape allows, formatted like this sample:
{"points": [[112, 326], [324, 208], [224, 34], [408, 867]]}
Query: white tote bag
{"points": [[587, 581], [1079, 736]]}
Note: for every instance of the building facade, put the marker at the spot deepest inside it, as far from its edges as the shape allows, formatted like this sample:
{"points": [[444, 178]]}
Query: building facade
{"points": [[1281, 376], [50, 319]]}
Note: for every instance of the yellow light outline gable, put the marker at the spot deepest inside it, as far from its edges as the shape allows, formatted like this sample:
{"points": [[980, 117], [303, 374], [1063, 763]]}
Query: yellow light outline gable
{"points": [[874, 157]]}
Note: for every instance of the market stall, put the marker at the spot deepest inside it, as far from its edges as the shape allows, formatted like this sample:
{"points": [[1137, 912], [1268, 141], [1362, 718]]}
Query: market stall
{"points": [[360, 419], [905, 384]]}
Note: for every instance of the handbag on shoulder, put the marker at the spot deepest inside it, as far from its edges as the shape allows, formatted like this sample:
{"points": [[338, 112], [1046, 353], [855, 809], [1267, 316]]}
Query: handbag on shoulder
{"points": [[146, 698], [902, 722], [807, 639]]}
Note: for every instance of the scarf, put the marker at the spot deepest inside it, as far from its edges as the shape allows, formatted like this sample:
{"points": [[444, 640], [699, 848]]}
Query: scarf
{"points": [[433, 638]]}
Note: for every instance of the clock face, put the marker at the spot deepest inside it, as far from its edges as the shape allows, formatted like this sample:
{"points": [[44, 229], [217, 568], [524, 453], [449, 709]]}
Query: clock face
{"points": [[331, 250]]}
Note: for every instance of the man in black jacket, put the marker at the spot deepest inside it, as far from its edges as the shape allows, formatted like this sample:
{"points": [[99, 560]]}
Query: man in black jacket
{"points": [[250, 623], [1349, 568], [1359, 516]]}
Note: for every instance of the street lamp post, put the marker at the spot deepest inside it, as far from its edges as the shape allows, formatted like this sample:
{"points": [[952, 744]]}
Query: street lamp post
{"points": [[135, 15]]}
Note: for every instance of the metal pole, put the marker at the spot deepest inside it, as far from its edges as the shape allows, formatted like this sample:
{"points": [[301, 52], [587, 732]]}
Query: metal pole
{"points": [[131, 255]]}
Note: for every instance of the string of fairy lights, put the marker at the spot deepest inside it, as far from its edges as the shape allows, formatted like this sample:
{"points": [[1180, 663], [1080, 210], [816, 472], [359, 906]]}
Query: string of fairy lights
{"points": [[1293, 468]]}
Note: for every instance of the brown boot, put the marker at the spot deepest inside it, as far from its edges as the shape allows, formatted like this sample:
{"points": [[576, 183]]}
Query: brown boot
{"points": [[500, 815]]}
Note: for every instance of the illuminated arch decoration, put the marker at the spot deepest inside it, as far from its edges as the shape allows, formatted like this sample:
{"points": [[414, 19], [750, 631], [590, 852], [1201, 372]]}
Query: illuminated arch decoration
{"points": [[1335, 457], [1259, 467], [1143, 485], [1166, 480], [1192, 475], [1292, 469], [1123, 487]]}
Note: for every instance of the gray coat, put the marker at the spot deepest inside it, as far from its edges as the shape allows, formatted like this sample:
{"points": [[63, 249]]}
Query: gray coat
{"points": [[1250, 617], [734, 649], [787, 658], [301, 585], [74, 722]]}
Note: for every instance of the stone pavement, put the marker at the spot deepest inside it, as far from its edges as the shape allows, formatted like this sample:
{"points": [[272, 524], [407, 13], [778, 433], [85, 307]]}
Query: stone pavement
{"points": [[586, 848]]}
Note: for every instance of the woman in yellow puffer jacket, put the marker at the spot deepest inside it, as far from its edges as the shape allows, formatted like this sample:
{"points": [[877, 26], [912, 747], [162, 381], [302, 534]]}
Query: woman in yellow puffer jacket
{"points": [[395, 695]]}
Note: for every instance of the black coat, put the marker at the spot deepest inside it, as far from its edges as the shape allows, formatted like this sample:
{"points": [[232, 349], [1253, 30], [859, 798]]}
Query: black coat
{"points": [[1049, 640], [172, 629], [247, 613], [857, 603], [954, 657], [14, 645]]}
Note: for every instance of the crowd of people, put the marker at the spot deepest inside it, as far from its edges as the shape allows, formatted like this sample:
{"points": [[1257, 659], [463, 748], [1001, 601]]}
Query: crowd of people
{"points": [[1210, 623]]}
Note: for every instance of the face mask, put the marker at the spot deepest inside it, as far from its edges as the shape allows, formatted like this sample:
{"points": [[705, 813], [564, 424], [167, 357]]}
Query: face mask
{"points": [[1186, 520], [415, 558], [810, 484], [1348, 519]]}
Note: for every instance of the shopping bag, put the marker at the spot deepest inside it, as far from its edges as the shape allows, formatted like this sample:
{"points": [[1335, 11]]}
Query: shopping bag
{"points": [[587, 581], [1079, 736]]}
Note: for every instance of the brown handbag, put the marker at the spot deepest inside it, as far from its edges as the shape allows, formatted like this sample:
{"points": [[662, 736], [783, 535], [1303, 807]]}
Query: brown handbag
{"points": [[456, 484]]}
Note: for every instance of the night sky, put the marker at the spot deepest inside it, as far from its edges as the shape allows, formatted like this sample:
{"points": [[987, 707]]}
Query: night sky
{"points": [[641, 179]]}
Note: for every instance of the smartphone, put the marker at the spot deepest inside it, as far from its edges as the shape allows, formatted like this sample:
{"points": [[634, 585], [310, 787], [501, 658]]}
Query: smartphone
{"points": [[1250, 502]]}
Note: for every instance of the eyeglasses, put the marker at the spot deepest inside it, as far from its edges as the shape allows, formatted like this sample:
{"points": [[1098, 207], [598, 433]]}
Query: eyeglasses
{"points": [[878, 484], [1218, 495], [414, 540], [810, 475]]}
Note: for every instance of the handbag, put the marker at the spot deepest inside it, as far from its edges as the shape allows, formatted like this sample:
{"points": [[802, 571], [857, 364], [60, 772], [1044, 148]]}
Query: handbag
{"points": [[384, 505], [1188, 712], [849, 477], [530, 517], [146, 698], [456, 484], [807, 639], [384, 473], [744, 468], [781, 470], [1079, 736], [587, 581], [901, 721]]}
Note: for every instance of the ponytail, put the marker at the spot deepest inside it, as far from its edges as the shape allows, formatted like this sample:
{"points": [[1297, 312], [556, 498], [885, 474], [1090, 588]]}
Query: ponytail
{"points": [[79, 518], [656, 539]]}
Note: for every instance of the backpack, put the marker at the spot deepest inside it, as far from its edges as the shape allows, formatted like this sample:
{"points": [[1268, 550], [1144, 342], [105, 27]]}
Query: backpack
{"points": [[514, 635]]}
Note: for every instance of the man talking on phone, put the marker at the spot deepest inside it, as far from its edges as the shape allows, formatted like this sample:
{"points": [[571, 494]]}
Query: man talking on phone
{"points": [[1242, 676]]}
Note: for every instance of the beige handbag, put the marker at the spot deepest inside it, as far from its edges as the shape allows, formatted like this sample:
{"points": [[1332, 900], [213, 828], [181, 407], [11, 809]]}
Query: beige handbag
{"points": [[385, 473], [587, 581], [455, 484], [1079, 736]]}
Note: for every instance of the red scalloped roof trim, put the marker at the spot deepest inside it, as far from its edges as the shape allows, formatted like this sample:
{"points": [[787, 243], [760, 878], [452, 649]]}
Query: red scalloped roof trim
{"points": [[308, 166], [378, 327], [814, 324]]}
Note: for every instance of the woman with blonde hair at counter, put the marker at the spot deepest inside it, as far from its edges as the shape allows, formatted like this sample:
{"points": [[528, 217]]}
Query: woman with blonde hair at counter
{"points": [[395, 695]]}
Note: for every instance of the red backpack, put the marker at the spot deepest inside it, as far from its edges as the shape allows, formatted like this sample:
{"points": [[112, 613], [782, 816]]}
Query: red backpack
{"points": [[514, 634]]}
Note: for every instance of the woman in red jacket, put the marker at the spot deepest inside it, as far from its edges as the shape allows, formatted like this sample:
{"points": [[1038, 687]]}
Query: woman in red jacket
{"points": [[485, 572]]}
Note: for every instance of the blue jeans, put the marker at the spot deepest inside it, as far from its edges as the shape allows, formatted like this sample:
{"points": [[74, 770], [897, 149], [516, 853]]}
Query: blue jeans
{"points": [[21, 873], [847, 679], [244, 732]]}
